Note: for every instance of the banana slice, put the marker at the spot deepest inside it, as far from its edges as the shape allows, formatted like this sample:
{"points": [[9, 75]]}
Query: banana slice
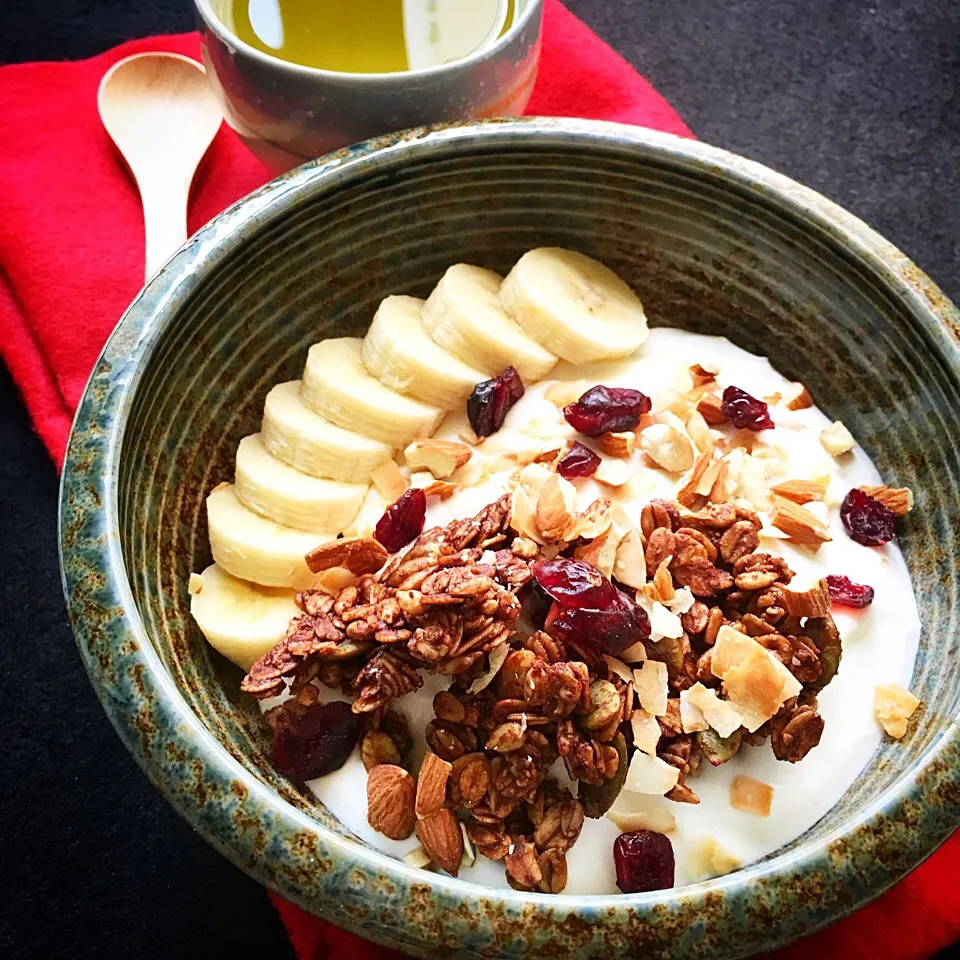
{"points": [[464, 315], [398, 351], [338, 387], [296, 435], [253, 548], [574, 306], [241, 620], [276, 490]]}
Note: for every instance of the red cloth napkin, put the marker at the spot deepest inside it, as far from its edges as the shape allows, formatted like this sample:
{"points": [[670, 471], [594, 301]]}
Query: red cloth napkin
{"points": [[71, 259]]}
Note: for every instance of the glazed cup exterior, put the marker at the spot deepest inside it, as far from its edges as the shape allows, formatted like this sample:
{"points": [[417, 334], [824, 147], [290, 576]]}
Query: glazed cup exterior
{"points": [[713, 243], [287, 113]]}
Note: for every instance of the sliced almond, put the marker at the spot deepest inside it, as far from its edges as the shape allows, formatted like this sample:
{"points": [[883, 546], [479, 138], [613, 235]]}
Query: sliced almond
{"points": [[800, 491], [720, 491], [893, 706], [359, 555], [618, 668], [522, 517], [554, 510], [467, 435], [630, 566], [814, 602], [796, 397], [441, 838], [432, 785], [661, 589], [667, 447], [440, 457], [837, 439], [699, 432], [646, 731], [710, 407], [687, 494], [195, 584], [618, 444], [650, 682], [709, 477], [898, 500], [614, 473], [751, 796], [798, 523], [650, 775], [591, 522], [601, 552], [389, 481]]}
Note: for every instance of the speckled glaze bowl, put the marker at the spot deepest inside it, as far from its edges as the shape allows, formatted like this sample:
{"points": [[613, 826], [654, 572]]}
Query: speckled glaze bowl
{"points": [[287, 113], [713, 243]]}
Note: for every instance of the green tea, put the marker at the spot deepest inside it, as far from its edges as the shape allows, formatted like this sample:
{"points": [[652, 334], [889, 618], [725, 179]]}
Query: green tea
{"points": [[370, 36]]}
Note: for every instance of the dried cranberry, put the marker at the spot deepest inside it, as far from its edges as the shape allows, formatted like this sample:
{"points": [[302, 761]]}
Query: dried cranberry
{"points": [[491, 400], [644, 861], [866, 519], [318, 743], [402, 520], [612, 629], [575, 584], [847, 593], [578, 461], [606, 410], [745, 412]]}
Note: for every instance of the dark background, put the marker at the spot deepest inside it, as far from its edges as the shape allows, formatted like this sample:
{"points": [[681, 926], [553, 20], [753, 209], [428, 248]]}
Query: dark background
{"points": [[859, 99]]}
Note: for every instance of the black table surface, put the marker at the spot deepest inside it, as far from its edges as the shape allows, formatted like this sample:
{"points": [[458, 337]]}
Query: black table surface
{"points": [[859, 99]]}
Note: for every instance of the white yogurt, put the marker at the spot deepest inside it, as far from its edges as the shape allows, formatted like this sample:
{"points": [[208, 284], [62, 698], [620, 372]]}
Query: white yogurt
{"points": [[879, 643]]}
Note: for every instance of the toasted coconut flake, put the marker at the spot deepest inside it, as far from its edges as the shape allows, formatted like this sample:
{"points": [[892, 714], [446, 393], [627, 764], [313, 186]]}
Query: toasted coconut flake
{"points": [[667, 447], [687, 494], [554, 510], [709, 858], [614, 473], [699, 432], [440, 457], [716, 712], [630, 566], [751, 796], [601, 552], [646, 731], [591, 522], [650, 682], [618, 668], [634, 811], [389, 481], [635, 653], [703, 373], [496, 659], [618, 444], [650, 775], [425, 481], [417, 857], [691, 717]]}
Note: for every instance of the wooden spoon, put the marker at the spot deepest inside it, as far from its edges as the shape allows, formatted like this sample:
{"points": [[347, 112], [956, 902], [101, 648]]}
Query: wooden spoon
{"points": [[160, 112]]}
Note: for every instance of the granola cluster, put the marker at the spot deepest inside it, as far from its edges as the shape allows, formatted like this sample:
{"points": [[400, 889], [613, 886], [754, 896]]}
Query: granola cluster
{"points": [[519, 699]]}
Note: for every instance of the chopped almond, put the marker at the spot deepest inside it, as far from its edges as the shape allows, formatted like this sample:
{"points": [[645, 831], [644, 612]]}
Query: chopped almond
{"points": [[797, 397], [195, 584], [710, 408], [661, 588], [440, 457], [667, 447], [618, 444], [893, 706], [720, 492], [646, 731], [698, 431], [614, 473], [773, 399], [800, 491], [650, 682], [687, 494], [798, 523], [332, 581], [837, 439], [591, 522], [555, 506], [751, 796], [702, 374], [389, 481], [467, 435], [418, 857], [709, 858], [755, 682], [898, 500], [634, 811], [425, 481], [522, 517], [650, 775], [814, 602]]}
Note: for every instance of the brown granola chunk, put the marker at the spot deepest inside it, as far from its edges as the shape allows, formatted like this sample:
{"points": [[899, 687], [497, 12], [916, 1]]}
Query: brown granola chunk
{"points": [[796, 730]]}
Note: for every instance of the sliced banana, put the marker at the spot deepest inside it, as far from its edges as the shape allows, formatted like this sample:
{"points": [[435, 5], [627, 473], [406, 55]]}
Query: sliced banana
{"points": [[573, 305], [398, 351], [253, 548], [241, 620], [293, 433], [276, 490], [464, 315], [338, 387]]}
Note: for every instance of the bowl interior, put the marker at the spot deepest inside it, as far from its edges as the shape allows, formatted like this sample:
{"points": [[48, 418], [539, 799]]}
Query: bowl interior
{"points": [[705, 253]]}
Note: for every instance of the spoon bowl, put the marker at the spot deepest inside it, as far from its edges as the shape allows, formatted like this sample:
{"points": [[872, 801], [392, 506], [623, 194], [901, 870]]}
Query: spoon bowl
{"points": [[161, 114]]}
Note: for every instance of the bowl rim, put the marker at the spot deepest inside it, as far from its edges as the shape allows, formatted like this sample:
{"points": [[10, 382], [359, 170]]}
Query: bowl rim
{"points": [[89, 542], [230, 39]]}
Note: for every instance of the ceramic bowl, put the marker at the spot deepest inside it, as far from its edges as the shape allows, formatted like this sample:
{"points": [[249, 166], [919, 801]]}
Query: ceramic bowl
{"points": [[287, 113], [712, 243]]}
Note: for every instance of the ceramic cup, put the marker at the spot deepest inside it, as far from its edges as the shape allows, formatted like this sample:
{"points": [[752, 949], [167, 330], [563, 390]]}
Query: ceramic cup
{"points": [[287, 113]]}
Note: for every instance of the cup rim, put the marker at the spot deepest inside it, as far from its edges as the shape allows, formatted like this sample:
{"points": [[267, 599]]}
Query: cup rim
{"points": [[229, 38], [89, 541]]}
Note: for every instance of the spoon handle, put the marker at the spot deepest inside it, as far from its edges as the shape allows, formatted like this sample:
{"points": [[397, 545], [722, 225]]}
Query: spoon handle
{"points": [[165, 221]]}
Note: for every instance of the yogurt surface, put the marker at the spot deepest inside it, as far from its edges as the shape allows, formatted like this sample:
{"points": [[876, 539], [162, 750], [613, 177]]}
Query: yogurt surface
{"points": [[879, 642]]}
